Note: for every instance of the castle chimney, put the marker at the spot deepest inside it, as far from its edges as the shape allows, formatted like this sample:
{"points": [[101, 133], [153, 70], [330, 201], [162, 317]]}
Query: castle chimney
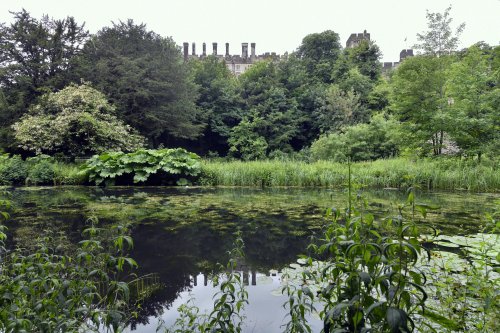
{"points": [[204, 54], [227, 49], [193, 46], [244, 50], [214, 46], [186, 51], [252, 48]]}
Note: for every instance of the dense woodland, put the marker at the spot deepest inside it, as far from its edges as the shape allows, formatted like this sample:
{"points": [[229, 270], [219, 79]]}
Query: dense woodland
{"points": [[66, 92]]}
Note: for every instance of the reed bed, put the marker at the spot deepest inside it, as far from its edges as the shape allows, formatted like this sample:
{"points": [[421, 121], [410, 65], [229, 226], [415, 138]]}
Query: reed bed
{"points": [[394, 173]]}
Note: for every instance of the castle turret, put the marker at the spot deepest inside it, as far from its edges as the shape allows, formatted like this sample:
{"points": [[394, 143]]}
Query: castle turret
{"points": [[214, 47], [406, 53], [355, 39]]}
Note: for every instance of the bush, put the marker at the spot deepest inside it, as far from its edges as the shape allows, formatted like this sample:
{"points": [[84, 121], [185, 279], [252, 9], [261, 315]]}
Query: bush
{"points": [[152, 167], [13, 170], [76, 121], [41, 171], [362, 142]]}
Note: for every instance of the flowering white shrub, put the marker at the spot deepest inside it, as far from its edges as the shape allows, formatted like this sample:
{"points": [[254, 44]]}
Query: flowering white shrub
{"points": [[76, 121]]}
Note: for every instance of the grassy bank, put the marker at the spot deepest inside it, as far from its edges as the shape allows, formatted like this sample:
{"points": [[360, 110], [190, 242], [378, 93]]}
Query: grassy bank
{"points": [[439, 174], [39, 171], [444, 174]]}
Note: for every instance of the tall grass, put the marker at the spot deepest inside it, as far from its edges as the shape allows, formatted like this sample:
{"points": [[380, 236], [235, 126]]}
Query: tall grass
{"points": [[69, 174], [395, 173]]}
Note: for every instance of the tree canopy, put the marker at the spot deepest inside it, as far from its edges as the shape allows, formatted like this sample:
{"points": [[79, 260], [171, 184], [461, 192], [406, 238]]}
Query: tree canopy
{"points": [[36, 56], [439, 39], [144, 76]]}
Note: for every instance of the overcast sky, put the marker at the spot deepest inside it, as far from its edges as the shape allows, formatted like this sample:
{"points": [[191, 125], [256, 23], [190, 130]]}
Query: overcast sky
{"points": [[275, 25]]}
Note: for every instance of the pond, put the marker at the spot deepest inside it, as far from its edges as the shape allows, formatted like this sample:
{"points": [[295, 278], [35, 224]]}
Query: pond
{"points": [[181, 233]]}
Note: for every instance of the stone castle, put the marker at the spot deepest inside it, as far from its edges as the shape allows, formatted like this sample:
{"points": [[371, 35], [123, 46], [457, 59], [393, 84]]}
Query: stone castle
{"points": [[355, 39], [238, 64]]}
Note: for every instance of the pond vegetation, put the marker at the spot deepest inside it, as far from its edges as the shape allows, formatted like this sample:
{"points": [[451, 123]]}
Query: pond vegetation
{"points": [[181, 232]]}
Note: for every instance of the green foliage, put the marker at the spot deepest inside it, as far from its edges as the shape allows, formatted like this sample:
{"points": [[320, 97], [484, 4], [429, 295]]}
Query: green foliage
{"points": [[41, 171], [69, 174], [145, 77], [76, 121], [419, 101], [339, 109], [13, 170], [444, 174], [366, 57], [439, 39], [362, 142], [473, 89], [364, 281], [167, 165], [319, 52], [50, 291], [273, 114], [245, 142], [219, 101], [36, 56]]}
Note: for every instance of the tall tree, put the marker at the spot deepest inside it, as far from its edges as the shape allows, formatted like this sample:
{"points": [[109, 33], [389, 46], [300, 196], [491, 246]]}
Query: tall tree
{"points": [[219, 100], [307, 92], [366, 56], [339, 109], [439, 39], [474, 94], [419, 99], [319, 52], [144, 75], [280, 120], [36, 56]]}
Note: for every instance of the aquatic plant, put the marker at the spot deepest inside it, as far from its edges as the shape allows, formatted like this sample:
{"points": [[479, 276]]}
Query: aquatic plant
{"points": [[466, 284], [364, 281], [50, 291], [167, 165]]}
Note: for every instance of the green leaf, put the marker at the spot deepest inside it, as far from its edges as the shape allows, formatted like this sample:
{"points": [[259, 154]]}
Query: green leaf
{"points": [[397, 319]]}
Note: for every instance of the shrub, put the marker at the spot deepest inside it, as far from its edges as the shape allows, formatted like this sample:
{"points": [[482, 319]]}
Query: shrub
{"points": [[13, 170], [76, 121], [41, 171], [162, 166], [362, 142]]}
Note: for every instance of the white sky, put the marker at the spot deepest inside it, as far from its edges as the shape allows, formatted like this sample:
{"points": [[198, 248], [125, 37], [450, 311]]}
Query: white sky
{"points": [[275, 25]]}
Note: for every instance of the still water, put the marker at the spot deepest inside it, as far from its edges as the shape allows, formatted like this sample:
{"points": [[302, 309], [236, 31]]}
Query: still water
{"points": [[180, 234]]}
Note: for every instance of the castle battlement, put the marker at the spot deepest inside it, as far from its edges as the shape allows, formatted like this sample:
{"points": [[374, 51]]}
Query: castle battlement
{"points": [[355, 39]]}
